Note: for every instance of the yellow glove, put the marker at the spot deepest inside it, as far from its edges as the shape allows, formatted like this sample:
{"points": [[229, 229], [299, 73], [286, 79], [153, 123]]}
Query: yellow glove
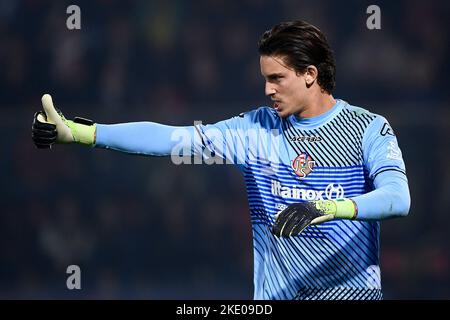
{"points": [[296, 217]]}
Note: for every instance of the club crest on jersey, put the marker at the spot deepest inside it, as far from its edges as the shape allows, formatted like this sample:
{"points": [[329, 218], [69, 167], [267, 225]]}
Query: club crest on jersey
{"points": [[303, 164]]}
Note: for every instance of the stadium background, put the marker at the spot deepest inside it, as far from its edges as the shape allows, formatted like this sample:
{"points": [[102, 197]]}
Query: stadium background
{"points": [[145, 228]]}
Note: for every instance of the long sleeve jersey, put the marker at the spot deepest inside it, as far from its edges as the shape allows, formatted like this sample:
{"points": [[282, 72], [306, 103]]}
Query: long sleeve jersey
{"points": [[345, 152]]}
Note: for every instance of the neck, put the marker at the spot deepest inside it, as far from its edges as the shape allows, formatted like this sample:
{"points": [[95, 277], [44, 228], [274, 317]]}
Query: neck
{"points": [[318, 104]]}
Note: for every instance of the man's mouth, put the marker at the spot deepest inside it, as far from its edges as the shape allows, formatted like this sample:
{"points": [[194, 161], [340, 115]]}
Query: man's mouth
{"points": [[276, 106]]}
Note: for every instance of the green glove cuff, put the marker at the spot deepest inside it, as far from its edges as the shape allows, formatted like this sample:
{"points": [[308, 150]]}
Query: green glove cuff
{"points": [[83, 134], [340, 208]]}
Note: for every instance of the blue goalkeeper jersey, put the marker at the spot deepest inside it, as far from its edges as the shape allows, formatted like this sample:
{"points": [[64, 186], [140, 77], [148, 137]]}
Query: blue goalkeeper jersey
{"points": [[344, 152], [289, 160]]}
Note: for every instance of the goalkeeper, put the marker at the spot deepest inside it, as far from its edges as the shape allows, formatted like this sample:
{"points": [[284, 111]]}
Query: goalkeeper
{"points": [[320, 173]]}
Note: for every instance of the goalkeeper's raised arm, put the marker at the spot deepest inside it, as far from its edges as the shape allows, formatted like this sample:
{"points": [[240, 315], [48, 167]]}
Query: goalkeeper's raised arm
{"points": [[224, 141], [149, 138]]}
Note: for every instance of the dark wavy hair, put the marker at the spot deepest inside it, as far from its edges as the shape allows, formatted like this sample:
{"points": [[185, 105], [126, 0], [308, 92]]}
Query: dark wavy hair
{"points": [[301, 45]]}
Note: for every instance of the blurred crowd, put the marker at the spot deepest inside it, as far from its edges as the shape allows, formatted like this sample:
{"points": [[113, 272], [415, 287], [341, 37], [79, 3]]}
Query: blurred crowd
{"points": [[142, 227]]}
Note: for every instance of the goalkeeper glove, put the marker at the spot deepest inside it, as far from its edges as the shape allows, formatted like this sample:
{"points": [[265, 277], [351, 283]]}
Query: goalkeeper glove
{"points": [[50, 126], [296, 217]]}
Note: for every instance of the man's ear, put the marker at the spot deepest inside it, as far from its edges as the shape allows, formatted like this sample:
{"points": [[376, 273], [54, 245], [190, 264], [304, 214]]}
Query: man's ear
{"points": [[311, 74]]}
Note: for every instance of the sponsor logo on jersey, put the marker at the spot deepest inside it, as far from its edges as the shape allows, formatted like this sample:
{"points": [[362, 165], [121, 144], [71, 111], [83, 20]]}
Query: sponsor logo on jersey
{"points": [[305, 139], [303, 164], [387, 130], [280, 206], [332, 191]]}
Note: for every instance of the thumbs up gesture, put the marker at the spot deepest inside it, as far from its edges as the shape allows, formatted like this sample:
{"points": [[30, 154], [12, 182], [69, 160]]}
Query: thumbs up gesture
{"points": [[50, 126]]}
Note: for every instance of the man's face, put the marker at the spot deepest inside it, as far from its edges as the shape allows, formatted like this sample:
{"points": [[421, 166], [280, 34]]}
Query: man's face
{"points": [[285, 87]]}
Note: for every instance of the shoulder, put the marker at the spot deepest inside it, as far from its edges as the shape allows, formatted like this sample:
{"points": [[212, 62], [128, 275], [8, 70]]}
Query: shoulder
{"points": [[373, 125], [359, 112], [260, 112], [263, 116], [363, 117]]}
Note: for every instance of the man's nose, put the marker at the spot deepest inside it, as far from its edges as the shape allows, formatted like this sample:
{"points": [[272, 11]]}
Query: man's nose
{"points": [[270, 90]]}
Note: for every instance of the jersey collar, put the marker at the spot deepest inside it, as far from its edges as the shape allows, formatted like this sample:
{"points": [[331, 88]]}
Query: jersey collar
{"points": [[313, 122]]}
